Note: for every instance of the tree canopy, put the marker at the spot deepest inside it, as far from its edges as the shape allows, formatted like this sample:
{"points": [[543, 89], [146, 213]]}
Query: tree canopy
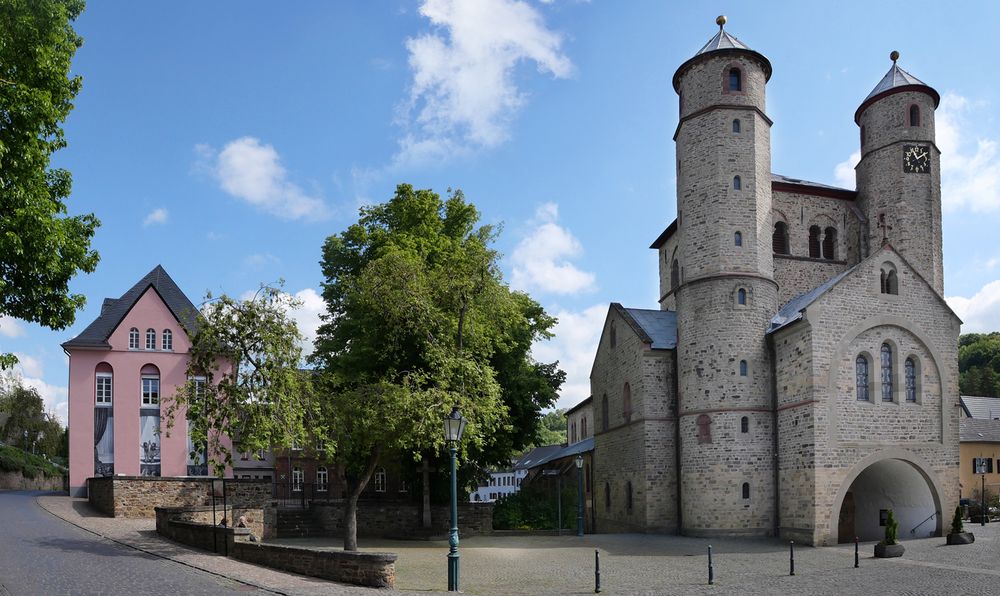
{"points": [[41, 247], [979, 364], [24, 421], [419, 319]]}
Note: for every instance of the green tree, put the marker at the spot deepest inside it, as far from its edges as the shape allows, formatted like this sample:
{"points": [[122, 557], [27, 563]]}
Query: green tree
{"points": [[552, 428], [24, 421], [244, 377], [418, 320], [41, 247], [979, 364]]}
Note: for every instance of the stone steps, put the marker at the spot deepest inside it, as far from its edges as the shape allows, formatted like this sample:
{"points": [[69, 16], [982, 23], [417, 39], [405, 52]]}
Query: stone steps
{"points": [[295, 523]]}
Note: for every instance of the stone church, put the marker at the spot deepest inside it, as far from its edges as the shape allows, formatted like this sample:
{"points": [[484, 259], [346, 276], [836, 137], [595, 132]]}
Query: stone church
{"points": [[800, 377]]}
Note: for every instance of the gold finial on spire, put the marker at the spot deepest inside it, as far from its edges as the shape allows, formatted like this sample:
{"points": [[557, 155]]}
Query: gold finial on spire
{"points": [[720, 21], [894, 55]]}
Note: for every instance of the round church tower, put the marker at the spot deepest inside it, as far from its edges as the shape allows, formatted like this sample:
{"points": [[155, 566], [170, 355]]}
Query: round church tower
{"points": [[899, 175], [727, 294]]}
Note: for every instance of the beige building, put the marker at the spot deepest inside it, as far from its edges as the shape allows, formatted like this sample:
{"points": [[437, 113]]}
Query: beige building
{"points": [[800, 376], [980, 446]]}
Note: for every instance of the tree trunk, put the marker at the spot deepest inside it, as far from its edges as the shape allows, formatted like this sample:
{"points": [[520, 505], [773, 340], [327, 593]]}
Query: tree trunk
{"points": [[351, 511]]}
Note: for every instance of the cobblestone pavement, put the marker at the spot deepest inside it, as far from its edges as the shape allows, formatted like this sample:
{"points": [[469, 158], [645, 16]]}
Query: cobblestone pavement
{"points": [[649, 564]]}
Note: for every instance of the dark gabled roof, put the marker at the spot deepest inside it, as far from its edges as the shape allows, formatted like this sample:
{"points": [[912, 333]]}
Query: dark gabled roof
{"points": [[972, 430], [779, 179], [567, 451], [579, 405], [981, 408], [792, 311], [114, 310], [531, 458], [658, 327]]}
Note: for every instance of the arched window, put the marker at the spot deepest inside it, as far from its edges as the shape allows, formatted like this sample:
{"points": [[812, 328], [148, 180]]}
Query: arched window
{"points": [[380, 480], [607, 496], [830, 243], [890, 282], [627, 403], [133, 339], [168, 340], [322, 478], [572, 432], [910, 371], [744, 424], [886, 353], [150, 381], [613, 335], [814, 233], [628, 496], [737, 183], [675, 275], [914, 115], [103, 384], [735, 79], [583, 428], [741, 297], [744, 368], [704, 423], [779, 240], [297, 478], [151, 339], [738, 239], [861, 377], [736, 125], [746, 490], [604, 412]]}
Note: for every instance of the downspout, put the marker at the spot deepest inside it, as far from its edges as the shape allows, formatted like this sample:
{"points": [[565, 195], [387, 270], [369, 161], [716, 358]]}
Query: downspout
{"points": [[774, 434]]}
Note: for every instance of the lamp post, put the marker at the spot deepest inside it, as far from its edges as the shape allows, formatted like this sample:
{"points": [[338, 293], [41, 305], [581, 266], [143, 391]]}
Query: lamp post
{"points": [[579, 495], [454, 426]]}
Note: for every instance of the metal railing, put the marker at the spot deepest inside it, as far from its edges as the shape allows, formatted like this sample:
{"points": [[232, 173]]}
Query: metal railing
{"points": [[913, 530], [300, 494]]}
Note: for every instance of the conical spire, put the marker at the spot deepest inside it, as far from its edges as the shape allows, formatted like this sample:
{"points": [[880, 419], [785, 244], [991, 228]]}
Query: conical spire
{"points": [[722, 40], [896, 79]]}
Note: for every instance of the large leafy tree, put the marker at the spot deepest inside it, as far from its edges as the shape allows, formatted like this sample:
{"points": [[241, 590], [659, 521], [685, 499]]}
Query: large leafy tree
{"points": [[979, 364], [245, 381], [24, 421], [419, 320], [41, 247]]}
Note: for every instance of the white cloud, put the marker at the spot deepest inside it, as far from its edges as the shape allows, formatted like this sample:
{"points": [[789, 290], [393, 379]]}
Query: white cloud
{"points": [[251, 171], [541, 260], [10, 327], [970, 168], [981, 312], [29, 366], [54, 397], [156, 216], [307, 316], [260, 260], [574, 346], [463, 95], [844, 172]]}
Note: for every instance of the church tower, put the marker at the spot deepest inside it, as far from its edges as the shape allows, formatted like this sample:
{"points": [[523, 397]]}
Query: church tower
{"points": [[727, 294], [899, 175]]}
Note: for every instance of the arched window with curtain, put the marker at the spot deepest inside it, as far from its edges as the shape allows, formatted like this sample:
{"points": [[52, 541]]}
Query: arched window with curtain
{"points": [[886, 354], [627, 402], [604, 412], [735, 79], [830, 243], [133, 339], [737, 183], [814, 242], [149, 420], [104, 423], [910, 371], [914, 115], [779, 239], [861, 377], [736, 125]]}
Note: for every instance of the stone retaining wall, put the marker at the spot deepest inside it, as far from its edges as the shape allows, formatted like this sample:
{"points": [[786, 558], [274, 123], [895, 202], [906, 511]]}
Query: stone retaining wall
{"points": [[138, 496], [204, 516], [16, 481], [395, 519]]}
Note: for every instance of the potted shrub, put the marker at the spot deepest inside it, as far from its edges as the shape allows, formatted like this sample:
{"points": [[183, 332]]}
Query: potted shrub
{"points": [[889, 546], [958, 535]]}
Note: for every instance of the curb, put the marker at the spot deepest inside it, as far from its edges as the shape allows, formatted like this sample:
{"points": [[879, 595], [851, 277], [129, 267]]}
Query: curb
{"points": [[3, 591]]}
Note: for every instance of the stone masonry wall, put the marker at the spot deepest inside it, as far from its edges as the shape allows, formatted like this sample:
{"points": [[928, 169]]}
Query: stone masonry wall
{"points": [[138, 496], [377, 519]]}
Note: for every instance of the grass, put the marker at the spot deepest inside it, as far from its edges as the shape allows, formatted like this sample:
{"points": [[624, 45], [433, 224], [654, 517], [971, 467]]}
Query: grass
{"points": [[13, 459]]}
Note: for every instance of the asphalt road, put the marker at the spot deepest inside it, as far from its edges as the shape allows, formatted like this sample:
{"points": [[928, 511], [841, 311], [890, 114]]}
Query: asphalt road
{"points": [[41, 554]]}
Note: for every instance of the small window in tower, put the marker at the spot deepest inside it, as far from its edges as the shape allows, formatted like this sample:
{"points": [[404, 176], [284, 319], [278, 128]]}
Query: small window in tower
{"points": [[738, 239], [736, 125], [746, 490], [744, 368], [744, 425], [737, 183], [830, 243], [914, 115], [741, 297], [779, 240], [735, 79], [814, 244]]}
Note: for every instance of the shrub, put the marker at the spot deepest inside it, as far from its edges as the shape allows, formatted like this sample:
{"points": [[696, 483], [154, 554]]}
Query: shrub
{"points": [[535, 508], [891, 529], [30, 466], [956, 522]]}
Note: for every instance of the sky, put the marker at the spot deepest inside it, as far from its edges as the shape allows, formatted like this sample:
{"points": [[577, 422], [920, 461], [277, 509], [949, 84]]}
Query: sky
{"points": [[226, 140]]}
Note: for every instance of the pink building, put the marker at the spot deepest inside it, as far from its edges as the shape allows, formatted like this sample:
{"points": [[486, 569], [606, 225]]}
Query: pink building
{"points": [[120, 366]]}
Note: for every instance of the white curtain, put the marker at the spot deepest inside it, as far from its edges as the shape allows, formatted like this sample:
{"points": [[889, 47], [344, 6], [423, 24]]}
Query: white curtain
{"points": [[106, 443]]}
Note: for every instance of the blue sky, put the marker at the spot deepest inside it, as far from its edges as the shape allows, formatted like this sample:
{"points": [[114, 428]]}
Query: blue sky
{"points": [[227, 140]]}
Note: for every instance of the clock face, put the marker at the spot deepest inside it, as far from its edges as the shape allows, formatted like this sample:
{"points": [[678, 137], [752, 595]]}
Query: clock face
{"points": [[916, 159]]}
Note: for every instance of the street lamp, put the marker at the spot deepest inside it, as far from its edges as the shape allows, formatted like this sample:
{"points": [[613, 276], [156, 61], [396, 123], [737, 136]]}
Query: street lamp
{"points": [[579, 495], [454, 426]]}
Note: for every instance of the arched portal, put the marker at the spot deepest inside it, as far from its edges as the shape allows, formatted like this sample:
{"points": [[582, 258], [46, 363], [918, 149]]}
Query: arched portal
{"points": [[888, 483]]}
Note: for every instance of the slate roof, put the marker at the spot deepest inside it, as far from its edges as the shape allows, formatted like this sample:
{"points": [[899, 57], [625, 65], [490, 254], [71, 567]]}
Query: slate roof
{"points": [[722, 41], [981, 408], [660, 326], [792, 311], [583, 403], [114, 310], [531, 458], [971, 430], [567, 451], [896, 77], [788, 180]]}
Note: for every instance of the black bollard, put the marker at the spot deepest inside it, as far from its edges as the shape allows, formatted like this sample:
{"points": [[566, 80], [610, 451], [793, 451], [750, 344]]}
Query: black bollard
{"points": [[855, 552], [597, 571], [711, 570], [791, 557]]}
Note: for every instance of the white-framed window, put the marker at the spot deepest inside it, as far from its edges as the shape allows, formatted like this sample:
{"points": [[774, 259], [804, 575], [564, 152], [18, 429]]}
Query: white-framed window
{"points": [[199, 386], [151, 339], [168, 340], [321, 479], [297, 479], [133, 339], [295, 445], [380, 480], [151, 390], [104, 388]]}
